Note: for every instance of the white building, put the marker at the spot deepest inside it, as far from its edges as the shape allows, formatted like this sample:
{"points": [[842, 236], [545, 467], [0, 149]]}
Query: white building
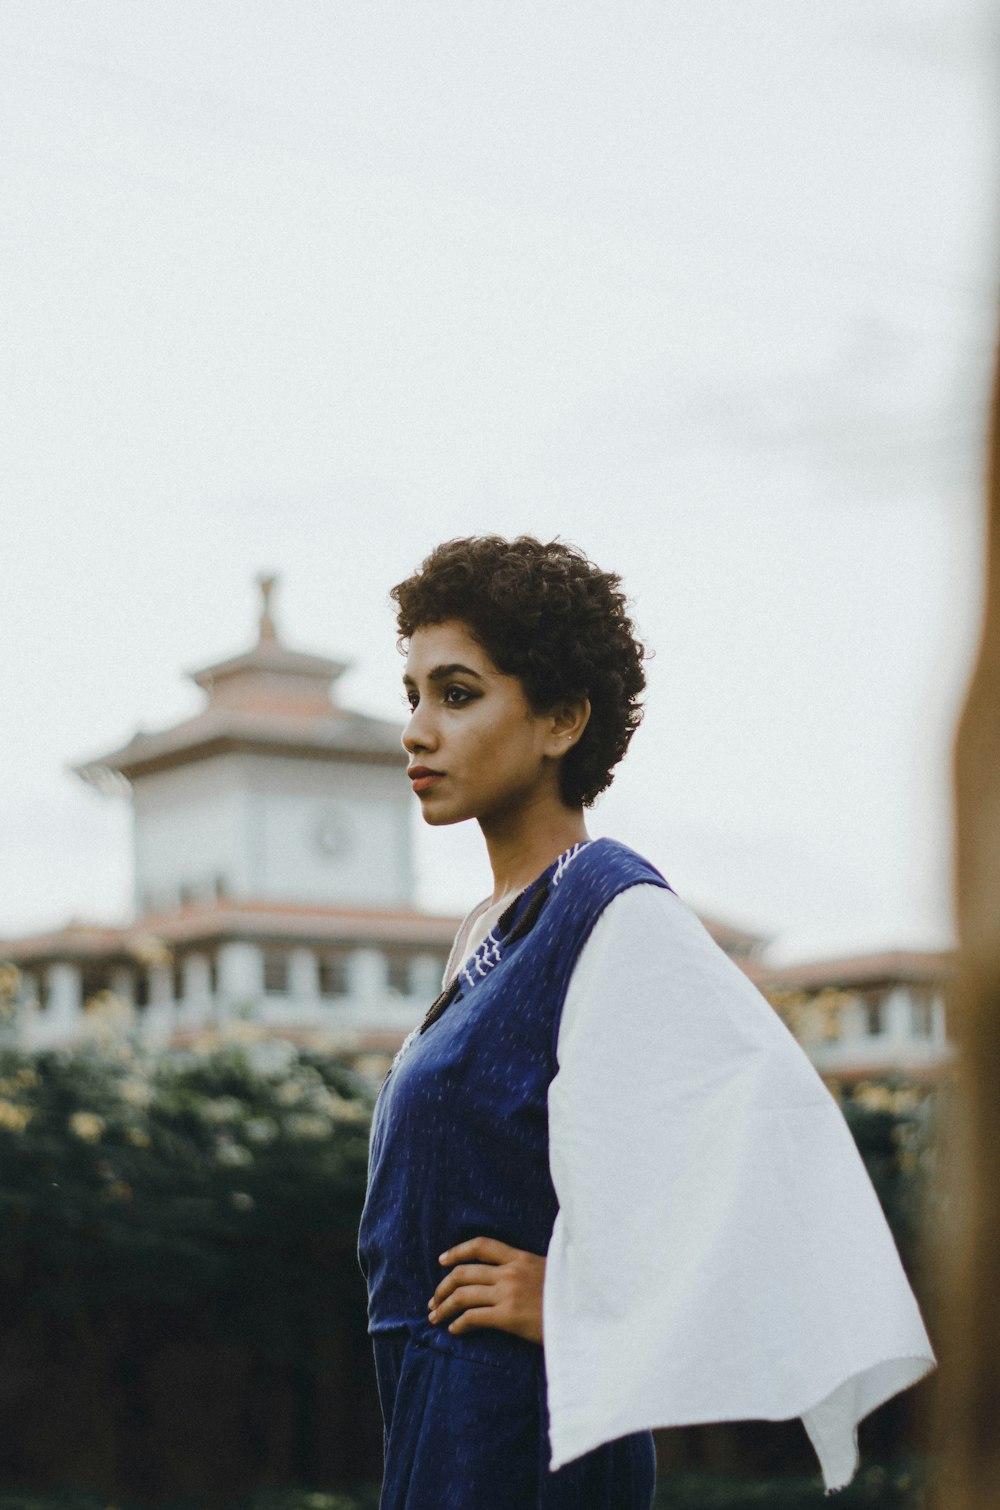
{"points": [[273, 870], [273, 880]]}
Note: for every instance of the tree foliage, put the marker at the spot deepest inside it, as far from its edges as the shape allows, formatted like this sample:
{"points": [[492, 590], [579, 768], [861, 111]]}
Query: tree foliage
{"points": [[181, 1178]]}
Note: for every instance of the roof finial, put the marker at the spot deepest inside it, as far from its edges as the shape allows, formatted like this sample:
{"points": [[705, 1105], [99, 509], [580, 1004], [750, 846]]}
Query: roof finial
{"points": [[266, 582]]}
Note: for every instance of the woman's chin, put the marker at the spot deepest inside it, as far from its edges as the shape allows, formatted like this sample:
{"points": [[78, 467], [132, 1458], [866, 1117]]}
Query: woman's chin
{"points": [[440, 816]]}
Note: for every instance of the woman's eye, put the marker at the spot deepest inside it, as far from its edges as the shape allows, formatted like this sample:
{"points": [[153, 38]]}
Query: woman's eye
{"points": [[455, 697]]}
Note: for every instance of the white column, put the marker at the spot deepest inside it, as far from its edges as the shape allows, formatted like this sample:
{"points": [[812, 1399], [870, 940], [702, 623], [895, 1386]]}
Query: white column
{"points": [[21, 1027], [64, 997], [158, 1016], [303, 976], [939, 1025], [241, 976], [161, 985], [196, 978], [852, 1021], [368, 974], [123, 983], [195, 1005], [898, 1015]]}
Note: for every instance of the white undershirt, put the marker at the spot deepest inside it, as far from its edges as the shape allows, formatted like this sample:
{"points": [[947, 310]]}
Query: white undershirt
{"points": [[473, 929]]}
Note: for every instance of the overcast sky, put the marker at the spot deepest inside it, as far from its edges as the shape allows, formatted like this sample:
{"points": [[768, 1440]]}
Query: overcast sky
{"points": [[708, 290]]}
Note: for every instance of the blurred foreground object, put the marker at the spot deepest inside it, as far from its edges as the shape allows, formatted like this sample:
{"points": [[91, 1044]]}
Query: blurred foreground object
{"points": [[968, 1417]]}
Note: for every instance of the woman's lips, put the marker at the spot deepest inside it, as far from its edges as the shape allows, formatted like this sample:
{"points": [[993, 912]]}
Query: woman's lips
{"points": [[424, 783], [422, 779]]}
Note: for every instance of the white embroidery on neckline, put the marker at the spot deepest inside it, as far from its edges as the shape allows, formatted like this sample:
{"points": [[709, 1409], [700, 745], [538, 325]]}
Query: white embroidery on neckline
{"points": [[565, 860]]}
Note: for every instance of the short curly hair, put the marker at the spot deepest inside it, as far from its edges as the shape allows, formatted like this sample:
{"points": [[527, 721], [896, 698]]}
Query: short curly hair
{"points": [[548, 615]]}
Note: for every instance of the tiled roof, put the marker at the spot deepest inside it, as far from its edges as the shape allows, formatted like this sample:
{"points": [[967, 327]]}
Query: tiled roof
{"points": [[216, 922], [860, 970]]}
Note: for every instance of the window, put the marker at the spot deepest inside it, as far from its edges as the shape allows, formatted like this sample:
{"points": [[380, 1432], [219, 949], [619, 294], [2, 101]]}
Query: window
{"points": [[275, 972], [178, 977], [93, 980], [334, 976], [213, 975], [873, 1014], [141, 989]]}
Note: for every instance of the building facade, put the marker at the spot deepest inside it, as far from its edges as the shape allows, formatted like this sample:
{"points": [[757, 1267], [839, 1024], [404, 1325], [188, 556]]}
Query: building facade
{"points": [[868, 1015]]}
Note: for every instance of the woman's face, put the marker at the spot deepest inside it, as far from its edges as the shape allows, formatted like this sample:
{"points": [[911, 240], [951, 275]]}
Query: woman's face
{"points": [[477, 748]]}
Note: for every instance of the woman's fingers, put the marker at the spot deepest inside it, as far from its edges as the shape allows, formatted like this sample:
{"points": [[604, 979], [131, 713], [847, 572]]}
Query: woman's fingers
{"points": [[488, 1250], [479, 1316], [460, 1299], [464, 1274], [509, 1280]]}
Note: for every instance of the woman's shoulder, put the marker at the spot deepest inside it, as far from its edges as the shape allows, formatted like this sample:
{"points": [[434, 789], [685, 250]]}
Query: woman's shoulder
{"points": [[609, 861]]}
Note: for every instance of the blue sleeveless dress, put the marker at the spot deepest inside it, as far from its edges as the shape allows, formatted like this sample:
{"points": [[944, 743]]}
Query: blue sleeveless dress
{"points": [[459, 1149]]}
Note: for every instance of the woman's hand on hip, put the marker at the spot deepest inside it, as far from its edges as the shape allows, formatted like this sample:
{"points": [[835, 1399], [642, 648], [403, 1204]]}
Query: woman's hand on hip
{"points": [[492, 1285]]}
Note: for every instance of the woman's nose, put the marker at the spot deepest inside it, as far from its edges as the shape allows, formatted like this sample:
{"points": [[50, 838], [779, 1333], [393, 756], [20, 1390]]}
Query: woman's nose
{"points": [[417, 735]]}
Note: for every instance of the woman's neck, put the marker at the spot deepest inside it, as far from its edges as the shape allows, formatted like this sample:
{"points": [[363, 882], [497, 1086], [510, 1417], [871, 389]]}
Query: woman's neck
{"points": [[520, 848]]}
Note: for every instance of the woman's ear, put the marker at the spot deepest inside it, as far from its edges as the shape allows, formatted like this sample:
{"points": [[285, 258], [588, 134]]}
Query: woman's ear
{"points": [[569, 719]]}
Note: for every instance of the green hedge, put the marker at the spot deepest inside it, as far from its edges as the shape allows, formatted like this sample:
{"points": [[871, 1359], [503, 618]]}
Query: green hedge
{"points": [[895, 1485], [365, 1497], [156, 1166], [173, 1226], [163, 1178]]}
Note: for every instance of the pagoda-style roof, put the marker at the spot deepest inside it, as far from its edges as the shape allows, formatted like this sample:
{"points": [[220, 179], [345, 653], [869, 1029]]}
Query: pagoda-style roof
{"points": [[265, 674], [269, 700]]}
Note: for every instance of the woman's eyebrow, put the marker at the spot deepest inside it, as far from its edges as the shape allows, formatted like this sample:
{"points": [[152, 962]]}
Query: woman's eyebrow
{"points": [[441, 673]]}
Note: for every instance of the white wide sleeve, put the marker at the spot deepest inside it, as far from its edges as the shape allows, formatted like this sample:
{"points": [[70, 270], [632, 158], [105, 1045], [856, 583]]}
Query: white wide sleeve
{"points": [[719, 1252]]}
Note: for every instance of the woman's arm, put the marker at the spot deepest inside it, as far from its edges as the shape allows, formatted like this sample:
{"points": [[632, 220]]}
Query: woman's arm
{"points": [[496, 1286]]}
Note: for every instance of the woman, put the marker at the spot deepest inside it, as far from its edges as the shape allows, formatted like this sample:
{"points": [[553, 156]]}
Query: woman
{"points": [[607, 1190]]}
